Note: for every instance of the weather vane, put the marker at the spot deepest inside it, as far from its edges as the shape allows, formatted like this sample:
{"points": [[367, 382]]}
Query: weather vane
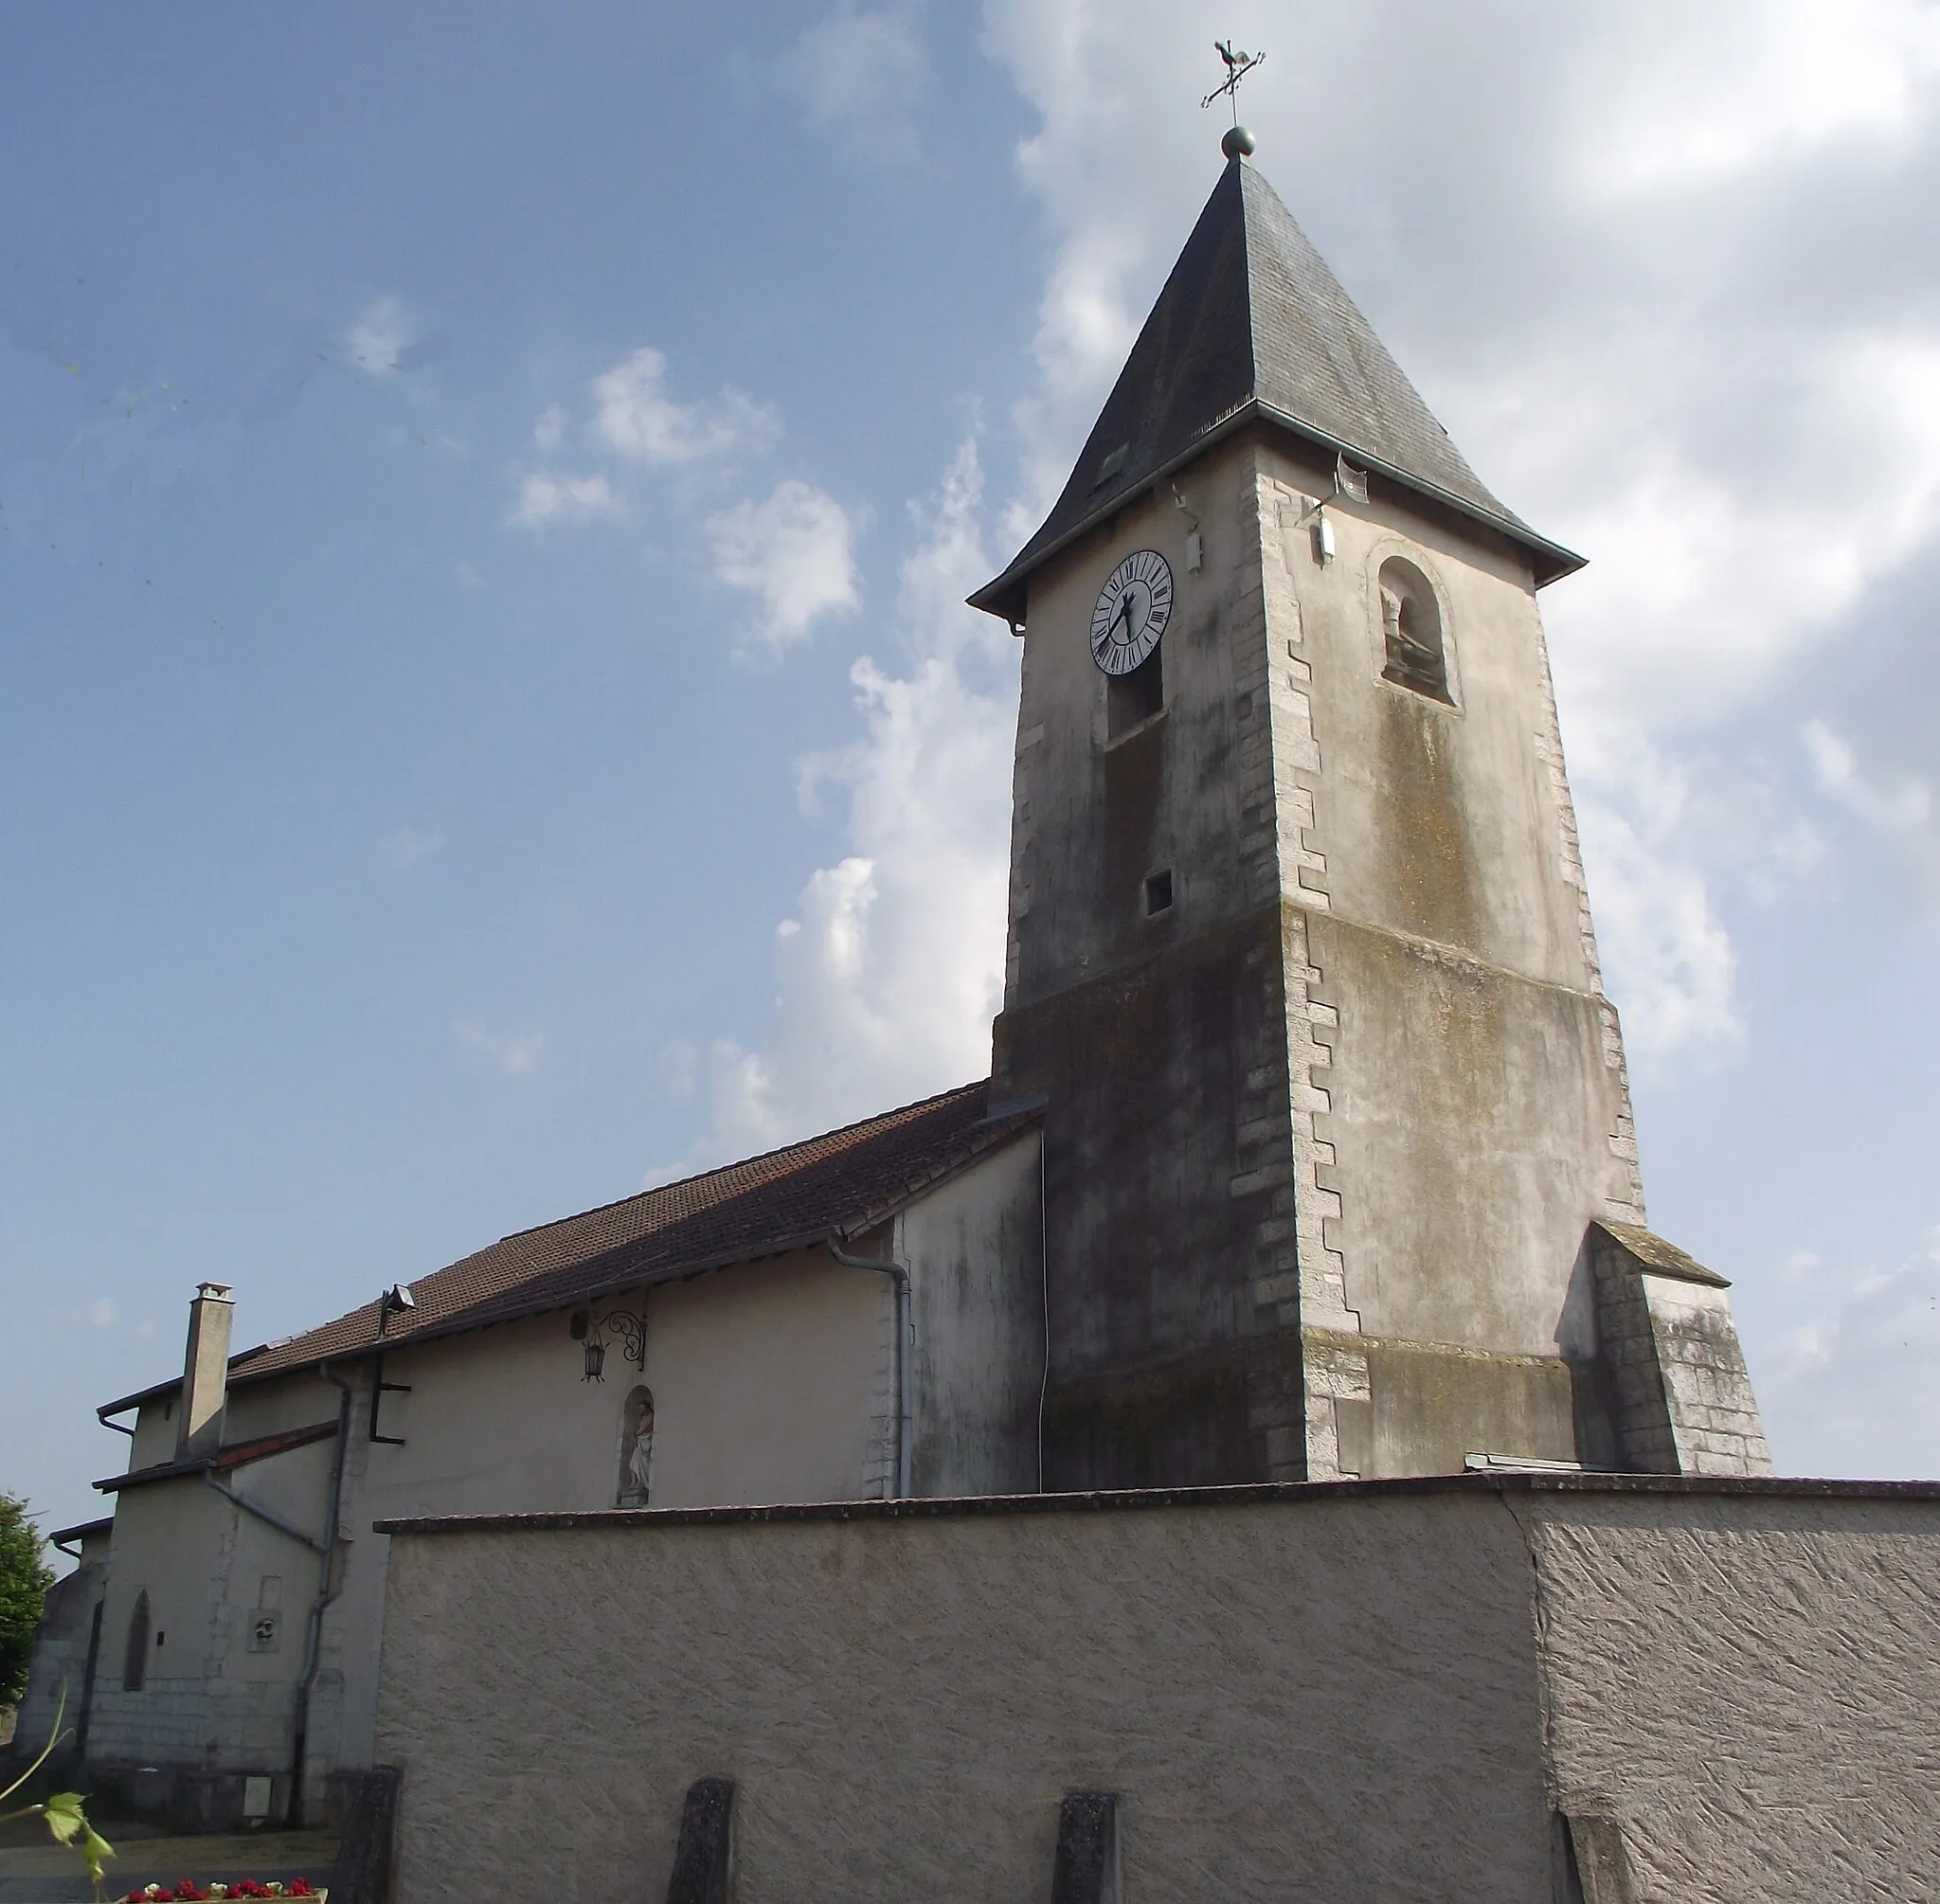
{"points": [[1238, 66]]}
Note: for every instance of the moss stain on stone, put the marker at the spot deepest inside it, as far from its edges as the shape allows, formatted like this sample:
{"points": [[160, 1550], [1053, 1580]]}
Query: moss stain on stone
{"points": [[1423, 840]]}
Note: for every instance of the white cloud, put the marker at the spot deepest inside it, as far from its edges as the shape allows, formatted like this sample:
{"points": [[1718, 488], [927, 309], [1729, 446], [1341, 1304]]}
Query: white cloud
{"points": [[515, 1053], [100, 1313], [1712, 575], [1739, 87], [1850, 1382], [548, 433], [1666, 956], [860, 73], [410, 845], [1904, 806], [634, 417], [547, 498], [1897, 808], [794, 551], [892, 968], [380, 338], [1119, 206]]}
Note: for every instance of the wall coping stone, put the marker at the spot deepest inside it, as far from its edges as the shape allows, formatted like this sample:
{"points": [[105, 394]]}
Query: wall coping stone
{"points": [[1284, 1492], [1658, 1256]]}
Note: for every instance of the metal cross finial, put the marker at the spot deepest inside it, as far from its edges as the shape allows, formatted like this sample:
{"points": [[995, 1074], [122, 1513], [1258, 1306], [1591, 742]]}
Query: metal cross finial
{"points": [[1238, 66]]}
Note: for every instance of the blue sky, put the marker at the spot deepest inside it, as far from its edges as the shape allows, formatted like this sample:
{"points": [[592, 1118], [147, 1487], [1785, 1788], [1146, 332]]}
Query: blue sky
{"points": [[486, 714]]}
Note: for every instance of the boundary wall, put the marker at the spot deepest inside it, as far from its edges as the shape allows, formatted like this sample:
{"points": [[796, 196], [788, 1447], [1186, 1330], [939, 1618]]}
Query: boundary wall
{"points": [[1614, 1689]]}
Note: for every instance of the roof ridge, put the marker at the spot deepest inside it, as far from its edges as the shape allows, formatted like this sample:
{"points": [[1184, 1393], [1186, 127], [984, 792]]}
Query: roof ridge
{"points": [[753, 1206], [735, 1163]]}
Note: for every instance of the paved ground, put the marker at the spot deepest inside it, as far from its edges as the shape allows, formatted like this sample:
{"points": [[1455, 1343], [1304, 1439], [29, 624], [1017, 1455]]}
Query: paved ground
{"points": [[45, 1873]]}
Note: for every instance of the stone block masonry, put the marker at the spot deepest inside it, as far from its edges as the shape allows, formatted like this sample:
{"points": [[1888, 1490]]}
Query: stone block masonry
{"points": [[1681, 1394]]}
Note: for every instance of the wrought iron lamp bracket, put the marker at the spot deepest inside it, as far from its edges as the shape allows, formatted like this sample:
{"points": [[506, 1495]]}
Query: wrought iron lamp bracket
{"points": [[590, 1327]]}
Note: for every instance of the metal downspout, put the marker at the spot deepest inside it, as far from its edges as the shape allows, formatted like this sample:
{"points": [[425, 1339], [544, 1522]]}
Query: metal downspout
{"points": [[263, 1515], [900, 1272], [326, 1592], [1044, 1290]]}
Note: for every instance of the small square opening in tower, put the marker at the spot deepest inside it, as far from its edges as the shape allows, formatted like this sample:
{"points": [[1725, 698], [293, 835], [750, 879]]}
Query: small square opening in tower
{"points": [[1135, 697], [1159, 892]]}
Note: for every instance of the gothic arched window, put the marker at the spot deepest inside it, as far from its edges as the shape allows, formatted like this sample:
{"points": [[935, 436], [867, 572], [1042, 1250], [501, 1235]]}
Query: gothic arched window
{"points": [[1412, 631], [134, 1665], [636, 1448]]}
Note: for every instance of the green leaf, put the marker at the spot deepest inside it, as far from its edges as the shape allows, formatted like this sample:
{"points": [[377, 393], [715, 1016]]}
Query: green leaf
{"points": [[96, 1850], [65, 1816]]}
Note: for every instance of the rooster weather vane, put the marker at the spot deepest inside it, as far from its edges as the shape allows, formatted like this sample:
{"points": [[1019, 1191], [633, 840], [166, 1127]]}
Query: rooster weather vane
{"points": [[1238, 66]]}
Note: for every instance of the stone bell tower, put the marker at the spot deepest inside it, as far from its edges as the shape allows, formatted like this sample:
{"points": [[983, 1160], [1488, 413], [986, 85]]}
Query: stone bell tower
{"points": [[1339, 1169]]}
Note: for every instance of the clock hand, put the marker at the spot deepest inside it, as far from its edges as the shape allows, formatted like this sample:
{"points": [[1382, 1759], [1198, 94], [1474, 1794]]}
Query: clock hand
{"points": [[1124, 612]]}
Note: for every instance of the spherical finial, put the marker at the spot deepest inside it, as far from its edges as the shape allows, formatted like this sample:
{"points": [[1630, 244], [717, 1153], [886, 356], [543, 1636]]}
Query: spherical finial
{"points": [[1238, 143]]}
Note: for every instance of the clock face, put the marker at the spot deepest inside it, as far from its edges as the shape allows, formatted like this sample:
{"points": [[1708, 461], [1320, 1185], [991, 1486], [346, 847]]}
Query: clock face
{"points": [[1132, 612]]}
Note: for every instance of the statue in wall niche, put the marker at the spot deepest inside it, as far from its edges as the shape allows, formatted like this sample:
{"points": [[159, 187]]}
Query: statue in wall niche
{"points": [[637, 1449]]}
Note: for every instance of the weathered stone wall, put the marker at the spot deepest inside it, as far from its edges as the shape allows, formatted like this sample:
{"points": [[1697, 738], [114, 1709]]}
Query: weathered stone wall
{"points": [[212, 1701], [1745, 1686], [1159, 1037], [1681, 1398], [57, 1671], [1353, 1096], [976, 1314], [1388, 1692]]}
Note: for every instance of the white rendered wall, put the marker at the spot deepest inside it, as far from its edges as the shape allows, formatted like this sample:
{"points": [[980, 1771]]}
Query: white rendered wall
{"points": [[1362, 1697], [772, 1381]]}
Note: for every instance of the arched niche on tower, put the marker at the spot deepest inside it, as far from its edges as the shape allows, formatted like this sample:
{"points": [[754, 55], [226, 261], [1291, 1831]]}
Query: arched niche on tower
{"points": [[1412, 630]]}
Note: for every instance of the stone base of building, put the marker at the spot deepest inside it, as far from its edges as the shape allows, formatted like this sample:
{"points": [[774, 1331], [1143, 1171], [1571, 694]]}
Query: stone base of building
{"points": [[189, 1802]]}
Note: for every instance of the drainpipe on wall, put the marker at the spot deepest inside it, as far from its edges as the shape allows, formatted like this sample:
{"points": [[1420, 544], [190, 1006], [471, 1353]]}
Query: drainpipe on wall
{"points": [[900, 1272], [326, 1592], [1044, 1289]]}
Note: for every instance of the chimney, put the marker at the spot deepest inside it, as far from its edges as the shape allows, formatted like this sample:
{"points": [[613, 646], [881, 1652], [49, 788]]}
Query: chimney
{"points": [[206, 1371]]}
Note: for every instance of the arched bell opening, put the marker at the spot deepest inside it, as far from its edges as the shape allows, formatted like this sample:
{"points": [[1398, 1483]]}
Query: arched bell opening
{"points": [[1417, 654]]}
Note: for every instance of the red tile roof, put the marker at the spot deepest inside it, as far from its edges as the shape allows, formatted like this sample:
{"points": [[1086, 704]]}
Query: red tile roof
{"points": [[837, 1184], [237, 1454]]}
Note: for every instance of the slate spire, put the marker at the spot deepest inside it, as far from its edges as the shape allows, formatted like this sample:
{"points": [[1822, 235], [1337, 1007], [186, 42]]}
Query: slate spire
{"points": [[1251, 322]]}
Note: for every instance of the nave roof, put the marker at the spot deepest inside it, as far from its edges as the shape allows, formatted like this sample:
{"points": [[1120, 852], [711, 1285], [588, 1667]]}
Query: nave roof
{"points": [[825, 1187]]}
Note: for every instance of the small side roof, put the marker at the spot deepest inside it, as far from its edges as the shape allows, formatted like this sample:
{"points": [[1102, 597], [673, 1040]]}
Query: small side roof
{"points": [[1655, 1253], [61, 1536], [234, 1455], [827, 1187], [1252, 323]]}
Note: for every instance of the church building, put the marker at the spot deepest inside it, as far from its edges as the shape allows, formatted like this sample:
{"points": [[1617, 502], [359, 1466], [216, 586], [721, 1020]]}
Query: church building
{"points": [[1306, 1153]]}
